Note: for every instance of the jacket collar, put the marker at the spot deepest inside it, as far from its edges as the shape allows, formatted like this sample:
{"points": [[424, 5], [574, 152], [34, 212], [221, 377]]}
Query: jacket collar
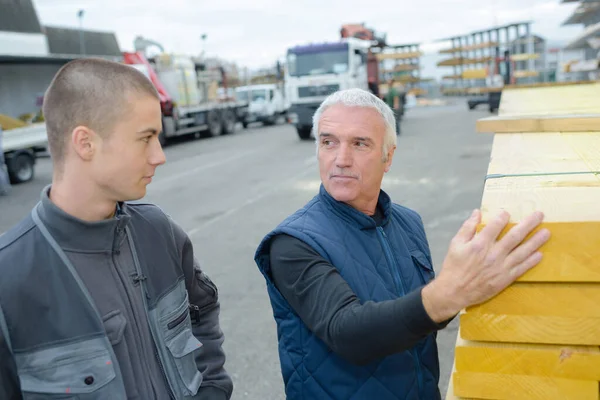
{"points": [[72, 233], [354, 216]]}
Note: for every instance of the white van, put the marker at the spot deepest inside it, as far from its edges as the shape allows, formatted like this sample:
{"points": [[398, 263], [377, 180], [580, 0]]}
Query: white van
{"points": [[266, 103]]}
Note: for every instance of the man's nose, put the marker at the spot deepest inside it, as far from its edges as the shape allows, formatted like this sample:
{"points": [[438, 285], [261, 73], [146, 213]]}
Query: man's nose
{"points": [[157, 157], [343, 157]]}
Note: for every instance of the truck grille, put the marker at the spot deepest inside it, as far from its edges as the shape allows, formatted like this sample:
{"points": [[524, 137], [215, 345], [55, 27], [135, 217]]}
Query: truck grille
{"points": [[317, 91]]}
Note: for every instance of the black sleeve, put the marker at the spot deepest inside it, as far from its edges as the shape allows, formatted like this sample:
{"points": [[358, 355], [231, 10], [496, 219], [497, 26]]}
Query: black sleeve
{"points": [[361, 333]]}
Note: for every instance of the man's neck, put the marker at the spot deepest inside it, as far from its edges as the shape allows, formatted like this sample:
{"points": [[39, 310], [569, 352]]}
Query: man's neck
{"points": [[81, 202]]}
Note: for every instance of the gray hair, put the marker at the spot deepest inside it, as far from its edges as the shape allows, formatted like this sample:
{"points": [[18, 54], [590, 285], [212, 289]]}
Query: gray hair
{"points": [[360, 98]]}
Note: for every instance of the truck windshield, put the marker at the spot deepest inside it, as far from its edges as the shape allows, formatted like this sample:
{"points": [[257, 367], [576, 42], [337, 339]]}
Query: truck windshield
{"points": [[326, 62], [252, 95]]}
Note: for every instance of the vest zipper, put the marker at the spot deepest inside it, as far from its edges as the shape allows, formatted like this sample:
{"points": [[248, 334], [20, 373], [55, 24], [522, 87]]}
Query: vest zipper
{"points": [[401, 288], [151, 324]]}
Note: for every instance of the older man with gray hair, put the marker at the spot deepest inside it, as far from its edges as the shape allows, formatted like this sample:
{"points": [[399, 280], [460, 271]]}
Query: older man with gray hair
{"points": [[350, 275]]}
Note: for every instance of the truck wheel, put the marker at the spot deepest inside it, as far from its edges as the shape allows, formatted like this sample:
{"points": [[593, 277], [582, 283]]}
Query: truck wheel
{"points": [[20, 168], [214, 123], [228, 122], [304, 133], [270, 120]]}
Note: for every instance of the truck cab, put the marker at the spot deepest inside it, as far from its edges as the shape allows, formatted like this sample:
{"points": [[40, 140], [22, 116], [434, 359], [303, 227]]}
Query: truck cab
{"points": [[266, 103], [315, 71]]}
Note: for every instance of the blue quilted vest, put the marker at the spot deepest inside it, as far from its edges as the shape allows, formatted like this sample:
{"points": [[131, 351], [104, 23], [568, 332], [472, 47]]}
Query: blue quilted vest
{"points": [[379, 263]]}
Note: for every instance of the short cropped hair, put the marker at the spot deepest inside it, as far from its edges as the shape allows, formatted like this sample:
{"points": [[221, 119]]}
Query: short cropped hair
{"points": [[360, 98], [89, 92]]}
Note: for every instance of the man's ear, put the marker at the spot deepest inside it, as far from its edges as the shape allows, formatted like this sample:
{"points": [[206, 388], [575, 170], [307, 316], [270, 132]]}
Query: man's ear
{"points": [[390, 157], [83, 140]]}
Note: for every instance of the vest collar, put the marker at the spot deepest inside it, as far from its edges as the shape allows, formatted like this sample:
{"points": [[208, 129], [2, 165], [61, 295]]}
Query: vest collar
{"points": [[351, 214], [72, 233]]}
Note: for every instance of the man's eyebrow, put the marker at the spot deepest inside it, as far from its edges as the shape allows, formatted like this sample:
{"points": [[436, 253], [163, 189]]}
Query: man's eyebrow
{"points": [[149, 130]]}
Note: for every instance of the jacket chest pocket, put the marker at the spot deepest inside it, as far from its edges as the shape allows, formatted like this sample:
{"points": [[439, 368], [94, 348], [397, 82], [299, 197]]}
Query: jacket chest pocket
{"points": [[424, 267], [82, 371], [181, 345]]}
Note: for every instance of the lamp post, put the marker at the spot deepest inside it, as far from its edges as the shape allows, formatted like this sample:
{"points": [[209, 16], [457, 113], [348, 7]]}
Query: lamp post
{"points": [[203, 37], [81, 42]]}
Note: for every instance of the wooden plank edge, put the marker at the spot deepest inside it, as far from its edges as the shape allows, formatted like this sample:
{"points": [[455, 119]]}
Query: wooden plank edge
{"points": [[505, 328], [540, 123]]}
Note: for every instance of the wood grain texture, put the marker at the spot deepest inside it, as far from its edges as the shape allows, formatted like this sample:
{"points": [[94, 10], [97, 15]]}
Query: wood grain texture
{"points": [[522, 387], [569, 362], [550, 299], [569, 255], [530, 329]]}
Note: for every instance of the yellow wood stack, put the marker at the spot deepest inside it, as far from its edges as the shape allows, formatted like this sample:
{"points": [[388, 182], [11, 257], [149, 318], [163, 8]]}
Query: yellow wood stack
{"points": [[540, 338]]}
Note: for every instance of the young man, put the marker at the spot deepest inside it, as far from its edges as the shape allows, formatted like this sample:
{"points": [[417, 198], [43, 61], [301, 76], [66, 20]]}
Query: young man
{"points": [[98, 297], [350, 275]]}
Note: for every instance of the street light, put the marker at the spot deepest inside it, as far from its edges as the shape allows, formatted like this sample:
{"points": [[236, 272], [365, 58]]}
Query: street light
{"points": [[203, 37], [81, 43]]}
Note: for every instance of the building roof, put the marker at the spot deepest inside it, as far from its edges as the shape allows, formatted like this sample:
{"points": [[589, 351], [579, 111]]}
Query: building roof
{"points": [[19, 16], [584, 13], [67, 41]]}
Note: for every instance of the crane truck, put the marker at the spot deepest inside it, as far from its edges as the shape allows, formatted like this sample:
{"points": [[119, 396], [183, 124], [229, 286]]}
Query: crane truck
{"points": [[188, 93]]}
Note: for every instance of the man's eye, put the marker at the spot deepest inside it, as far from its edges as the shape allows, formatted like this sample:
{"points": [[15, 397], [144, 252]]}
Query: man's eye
{"points": [[147, 139]]}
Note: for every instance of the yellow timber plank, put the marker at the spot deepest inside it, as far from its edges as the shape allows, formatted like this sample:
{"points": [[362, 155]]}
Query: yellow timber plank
{"points": [[574, 99], [524, 56], [450, 392], [570, 362], [525, 74], [550, 299], [568, 198], [517, 387], [540, 123], [546, 84], [569, 256], [542, 329], [476, 73], [542, 153], [398, 56]]}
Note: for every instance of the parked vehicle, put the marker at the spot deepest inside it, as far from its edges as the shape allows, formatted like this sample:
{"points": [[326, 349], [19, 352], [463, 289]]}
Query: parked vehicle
{"points": [[189, 97], [266, 103]]}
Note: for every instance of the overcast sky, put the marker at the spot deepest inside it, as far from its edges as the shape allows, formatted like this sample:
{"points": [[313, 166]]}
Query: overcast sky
{"points": [[255, 33]]}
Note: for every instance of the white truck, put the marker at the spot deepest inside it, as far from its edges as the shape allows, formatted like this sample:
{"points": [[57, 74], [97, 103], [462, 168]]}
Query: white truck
{"points": [[20, 147], [266, 103], [315, 71]]}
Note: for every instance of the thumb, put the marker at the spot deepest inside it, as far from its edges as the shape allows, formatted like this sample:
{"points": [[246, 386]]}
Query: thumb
{"points": [[469, 227]]}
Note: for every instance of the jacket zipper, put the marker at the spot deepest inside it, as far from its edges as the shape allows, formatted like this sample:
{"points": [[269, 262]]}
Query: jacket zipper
{"points": [[145, 301], [133, 312], [400, 287]]}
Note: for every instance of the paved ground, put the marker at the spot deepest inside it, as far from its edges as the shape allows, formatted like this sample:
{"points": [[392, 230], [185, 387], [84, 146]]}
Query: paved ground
{"points": [[227, 192]]}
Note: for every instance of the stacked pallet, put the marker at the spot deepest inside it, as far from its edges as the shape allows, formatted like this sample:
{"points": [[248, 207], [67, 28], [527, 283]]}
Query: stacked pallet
{"points": [[540, 338]]}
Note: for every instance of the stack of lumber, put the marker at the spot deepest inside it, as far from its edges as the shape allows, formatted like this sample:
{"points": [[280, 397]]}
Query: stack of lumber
{"points": [[540, 338]]}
